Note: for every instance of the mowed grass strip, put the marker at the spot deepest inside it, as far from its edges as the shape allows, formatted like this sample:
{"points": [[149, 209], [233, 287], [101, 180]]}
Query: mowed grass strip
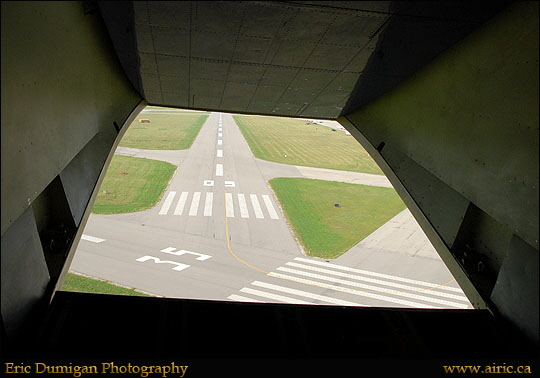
{"points": [[163, 132], [81, 284], [292, 141], [325, 230], [132, 184]]}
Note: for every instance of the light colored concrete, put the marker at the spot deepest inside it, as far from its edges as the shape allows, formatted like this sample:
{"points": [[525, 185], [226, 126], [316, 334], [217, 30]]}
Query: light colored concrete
{"points": [[170, 156], [406, 237], [344, 176], [260, 246]]}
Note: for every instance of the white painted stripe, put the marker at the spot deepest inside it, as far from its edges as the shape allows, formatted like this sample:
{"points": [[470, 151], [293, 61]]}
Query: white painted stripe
{"points": [[373, 288], [208, 204], [256, 206], [220, 129], [305, 294], [380, 275], [219, 142], [220, 134], [276, 297], [240, 298], [354, 292], [181, 203], [270, 207], [195, 204], [92, 238], [219, 169], [229, 205], [379, 282], [219, 153], [167, 203], [243, 206]]}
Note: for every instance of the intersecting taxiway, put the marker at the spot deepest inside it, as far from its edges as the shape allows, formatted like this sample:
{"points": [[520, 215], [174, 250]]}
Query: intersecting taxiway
{"points": [[218, 233]]}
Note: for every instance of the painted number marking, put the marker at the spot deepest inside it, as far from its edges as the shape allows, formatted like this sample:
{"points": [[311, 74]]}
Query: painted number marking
{"points": [[172, 251], [201, 256], [178, 267]]}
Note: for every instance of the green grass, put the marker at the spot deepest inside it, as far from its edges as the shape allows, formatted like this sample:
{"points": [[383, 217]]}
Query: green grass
{"points": [[132, 184], [164, 132], [292, 141], [327, 231], [81, 284]]}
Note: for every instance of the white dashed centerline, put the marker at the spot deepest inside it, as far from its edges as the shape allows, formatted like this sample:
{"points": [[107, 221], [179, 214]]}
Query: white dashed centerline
{"points": [[219, 169], [219, 153]]}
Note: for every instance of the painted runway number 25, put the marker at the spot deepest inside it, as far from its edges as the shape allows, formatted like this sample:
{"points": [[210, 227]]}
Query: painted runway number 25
{"points": [[172, 251]]}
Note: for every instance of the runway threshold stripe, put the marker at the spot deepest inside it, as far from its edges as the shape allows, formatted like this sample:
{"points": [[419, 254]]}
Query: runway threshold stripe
{"points": [[181, 203], [195, 204], [208, 204], [304, 294], [276, 297], [229, 207], [244, 213], [167, 204], [256, 206], [270, 207], [240, 298], [92, 239], [373, 288], [380, 275], [219, 169], [378, 282], [383, 298]]}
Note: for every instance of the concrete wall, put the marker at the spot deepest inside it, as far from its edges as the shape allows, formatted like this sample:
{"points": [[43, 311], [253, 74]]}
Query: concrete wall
{"points": [[459, 141], [65, 100]]}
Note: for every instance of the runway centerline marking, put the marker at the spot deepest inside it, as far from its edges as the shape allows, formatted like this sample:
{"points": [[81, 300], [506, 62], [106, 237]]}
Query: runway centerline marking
{"points": [[219, 153], [219, 169], [220, 142]]}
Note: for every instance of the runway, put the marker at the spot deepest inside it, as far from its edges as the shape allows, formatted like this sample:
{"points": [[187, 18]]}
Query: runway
{"points": [[218, 233]]}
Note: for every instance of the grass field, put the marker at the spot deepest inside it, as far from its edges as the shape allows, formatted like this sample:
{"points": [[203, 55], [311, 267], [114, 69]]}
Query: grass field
{"points": [[328, 231], [81, 284], [132, 184], [164, 132], [292, 141]]}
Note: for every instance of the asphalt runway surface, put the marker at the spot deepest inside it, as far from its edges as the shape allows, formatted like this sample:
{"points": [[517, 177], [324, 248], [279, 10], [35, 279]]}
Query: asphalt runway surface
{"points": [[218, 233]]}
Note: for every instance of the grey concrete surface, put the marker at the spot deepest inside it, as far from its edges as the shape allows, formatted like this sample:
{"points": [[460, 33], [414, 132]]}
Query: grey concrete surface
{"points": [[249, 258]]}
